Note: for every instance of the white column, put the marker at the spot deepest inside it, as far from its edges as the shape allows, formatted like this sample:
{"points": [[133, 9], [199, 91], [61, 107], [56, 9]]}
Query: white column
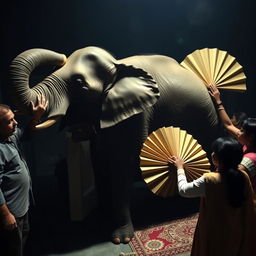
{"points": [[82, 194]]}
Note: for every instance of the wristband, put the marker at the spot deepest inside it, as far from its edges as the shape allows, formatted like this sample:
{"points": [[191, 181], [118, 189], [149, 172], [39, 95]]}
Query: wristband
{"points": [[180, 171], [218, 104]]}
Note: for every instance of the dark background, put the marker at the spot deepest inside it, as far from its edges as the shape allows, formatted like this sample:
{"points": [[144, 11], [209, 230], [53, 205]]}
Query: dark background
{"points": [[123, 27]]}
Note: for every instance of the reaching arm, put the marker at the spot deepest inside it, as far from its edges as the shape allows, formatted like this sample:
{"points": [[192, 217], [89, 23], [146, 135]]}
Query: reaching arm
{"points": [[248, 166], [196, 188], [38, 110], [214, 92]]}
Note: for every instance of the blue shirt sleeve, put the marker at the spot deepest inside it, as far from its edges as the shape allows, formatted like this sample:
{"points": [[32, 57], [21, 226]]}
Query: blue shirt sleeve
{"points": [[2, 199]]}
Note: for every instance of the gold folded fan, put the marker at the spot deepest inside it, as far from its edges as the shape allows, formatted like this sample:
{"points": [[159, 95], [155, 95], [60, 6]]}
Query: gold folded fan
{"points": [[214, 66], [157, 170]]}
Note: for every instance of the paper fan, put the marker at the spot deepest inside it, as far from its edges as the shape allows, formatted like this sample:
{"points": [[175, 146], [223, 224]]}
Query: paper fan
{"points": [[158, 172], [214, 66]]}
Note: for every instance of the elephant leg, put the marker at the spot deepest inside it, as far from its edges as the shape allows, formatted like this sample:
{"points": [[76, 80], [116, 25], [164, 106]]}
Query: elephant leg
{"points": [[122, 178], [102, 178], [123, 150], [113, 182]]}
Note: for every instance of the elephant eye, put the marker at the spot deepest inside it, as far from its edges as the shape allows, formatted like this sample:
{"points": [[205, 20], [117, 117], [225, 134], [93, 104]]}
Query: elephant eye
{"points": [[78, 81]]}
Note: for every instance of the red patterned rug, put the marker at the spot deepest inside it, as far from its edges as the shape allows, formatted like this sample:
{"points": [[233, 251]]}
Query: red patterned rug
{"points": [[171, 238]]}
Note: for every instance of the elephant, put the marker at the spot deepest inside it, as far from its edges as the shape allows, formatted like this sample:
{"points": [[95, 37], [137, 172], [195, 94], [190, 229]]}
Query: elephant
{"points": [[116, 104]]}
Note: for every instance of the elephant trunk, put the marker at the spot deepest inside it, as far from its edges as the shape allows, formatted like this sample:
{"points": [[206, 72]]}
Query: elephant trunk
{"points": [[53, 88]]}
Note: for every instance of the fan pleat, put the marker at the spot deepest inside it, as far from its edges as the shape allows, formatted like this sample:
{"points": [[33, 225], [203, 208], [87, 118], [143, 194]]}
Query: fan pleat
{"points": [[199, 164], [221, 66], [152, 155], [232, 81], [191, 65], [157, 177], [195, 170], [164, 137], [147, 150], [165, 187], [206, 63], [148, 161], [153, 169], [238, 87], [186, 144], [155, 146], [213, 61], [196, 157], [190, 177], [192, 147]]}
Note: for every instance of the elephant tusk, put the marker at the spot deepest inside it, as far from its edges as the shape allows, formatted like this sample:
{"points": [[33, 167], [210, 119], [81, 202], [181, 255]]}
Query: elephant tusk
{"points": [[47, 123]]}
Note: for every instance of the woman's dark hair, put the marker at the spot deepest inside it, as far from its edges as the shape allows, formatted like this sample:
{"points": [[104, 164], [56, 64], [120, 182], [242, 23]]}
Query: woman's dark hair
{"points": [[240, 117], [249, 127], [229, 153]]}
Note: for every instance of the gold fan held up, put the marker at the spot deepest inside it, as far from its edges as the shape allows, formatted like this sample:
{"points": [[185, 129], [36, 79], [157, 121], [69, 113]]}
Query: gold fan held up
{"points": [[157, 156], [214, 66]]}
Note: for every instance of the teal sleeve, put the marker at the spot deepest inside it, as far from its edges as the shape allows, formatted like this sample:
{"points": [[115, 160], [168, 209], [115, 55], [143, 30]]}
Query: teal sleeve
{"points": [[2, 199]]}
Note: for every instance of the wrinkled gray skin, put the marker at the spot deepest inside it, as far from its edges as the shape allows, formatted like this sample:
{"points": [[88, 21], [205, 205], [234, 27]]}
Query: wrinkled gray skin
{"points": [[124, 101]]}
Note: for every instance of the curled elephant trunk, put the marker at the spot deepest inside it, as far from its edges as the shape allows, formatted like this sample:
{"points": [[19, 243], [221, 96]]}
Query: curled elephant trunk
{"points": [[53, 88]]}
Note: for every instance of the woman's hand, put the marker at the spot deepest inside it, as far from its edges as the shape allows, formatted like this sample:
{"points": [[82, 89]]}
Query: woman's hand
{"points": [[215, 93], [178, 162]]}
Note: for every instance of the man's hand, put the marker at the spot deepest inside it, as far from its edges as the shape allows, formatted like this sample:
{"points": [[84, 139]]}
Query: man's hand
{"points": [[9, 222], [178, 162], [7, 219], [39, 109], [215, 93]]}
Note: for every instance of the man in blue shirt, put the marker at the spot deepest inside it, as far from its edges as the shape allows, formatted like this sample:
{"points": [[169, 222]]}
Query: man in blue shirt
{"points": [[15, 182]]}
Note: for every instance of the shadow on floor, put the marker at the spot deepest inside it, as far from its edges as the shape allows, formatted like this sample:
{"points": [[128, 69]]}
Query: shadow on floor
{"points": [[53, 232]]}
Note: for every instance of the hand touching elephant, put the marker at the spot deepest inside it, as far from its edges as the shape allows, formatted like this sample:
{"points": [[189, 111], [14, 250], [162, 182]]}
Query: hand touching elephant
{"points": [[124, 100]]}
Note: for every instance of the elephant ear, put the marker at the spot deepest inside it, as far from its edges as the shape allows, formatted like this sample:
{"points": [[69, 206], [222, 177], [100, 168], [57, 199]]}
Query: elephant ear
{"points": [[133, 92]]}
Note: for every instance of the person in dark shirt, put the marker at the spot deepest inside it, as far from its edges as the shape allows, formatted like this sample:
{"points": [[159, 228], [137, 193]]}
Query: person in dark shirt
{"points": [[15, 182]]}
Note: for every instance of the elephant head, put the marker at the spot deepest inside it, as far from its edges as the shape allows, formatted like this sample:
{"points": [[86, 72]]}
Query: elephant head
{"points": [[100, 87]]}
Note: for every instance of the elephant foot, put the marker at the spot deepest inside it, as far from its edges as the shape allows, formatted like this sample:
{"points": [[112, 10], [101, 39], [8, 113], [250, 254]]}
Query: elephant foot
{"points": [[123, 234]]}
